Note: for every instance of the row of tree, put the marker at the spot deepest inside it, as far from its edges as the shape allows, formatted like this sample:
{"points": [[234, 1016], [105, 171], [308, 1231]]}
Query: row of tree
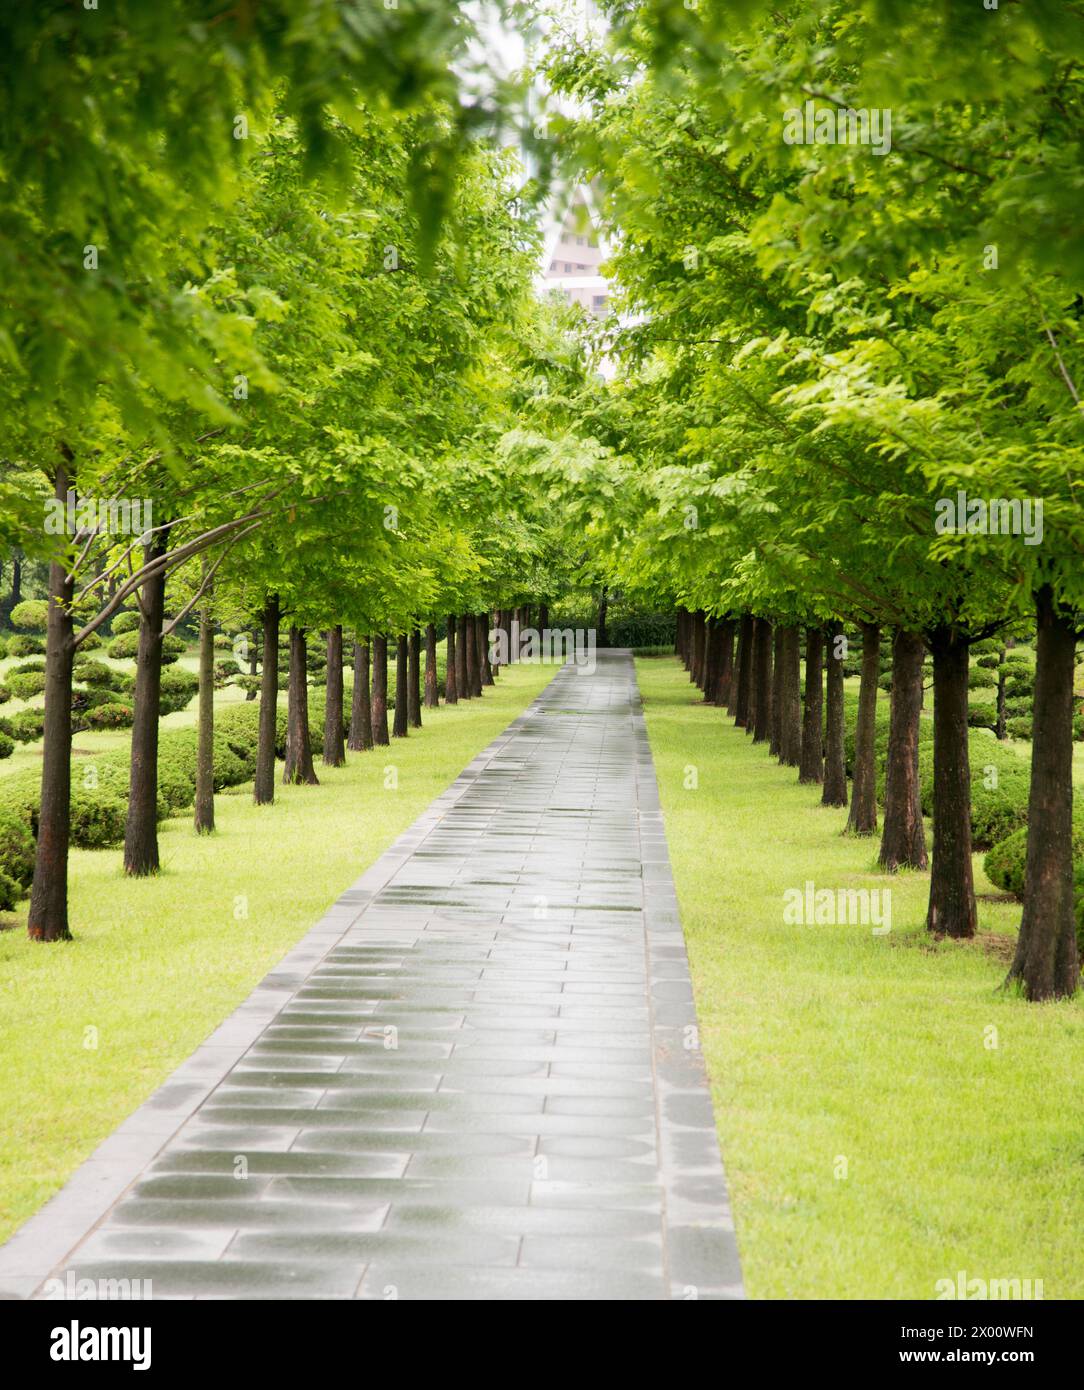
{"points": [[268, 279], [821, 347]]}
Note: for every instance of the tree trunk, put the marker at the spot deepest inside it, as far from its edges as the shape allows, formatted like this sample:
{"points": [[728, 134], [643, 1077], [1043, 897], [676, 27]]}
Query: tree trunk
{"points": [[835, 755], [790, 711], [493, 666], [17, 578], [204, 815], [1002, 729], [724, 668], [451, 665], [141, 831], [952, 909], [543, 617], [757, 638], [432, 696], [48, 920], [361, 715], [602, 637], [696, 670], [712, 639], [469, 647], [400, 726], [740, 687], [811, 759], [903, 839], [463, 648], [778, 669], [763, 713], [862, 817], [379, 702], [253, 671], [298, 766], [414, 693], [334, 747], [263, 791], [1046, 960], [482, 629]]}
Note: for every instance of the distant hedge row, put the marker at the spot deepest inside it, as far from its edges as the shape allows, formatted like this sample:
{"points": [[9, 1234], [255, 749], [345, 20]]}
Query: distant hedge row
{"points": [[1000, 778], [100, 788]]}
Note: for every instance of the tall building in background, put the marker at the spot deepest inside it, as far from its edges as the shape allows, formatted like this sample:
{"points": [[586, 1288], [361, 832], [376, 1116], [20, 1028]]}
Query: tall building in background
{"points": [[574, 250]]}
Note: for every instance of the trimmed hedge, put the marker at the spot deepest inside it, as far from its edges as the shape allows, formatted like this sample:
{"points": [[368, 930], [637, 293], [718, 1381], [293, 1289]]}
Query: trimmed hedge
{"points": [[1006, 862], [178, 688], [31, 615], [16, 859], [124, 647], [25, 685], [27, 726], [982, 714], [996, 811], [100, 784], [111, 715], [22, 644]]}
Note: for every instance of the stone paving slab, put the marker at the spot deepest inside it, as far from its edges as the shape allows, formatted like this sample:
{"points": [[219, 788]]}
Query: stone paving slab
{"points": [[474, 1078]]}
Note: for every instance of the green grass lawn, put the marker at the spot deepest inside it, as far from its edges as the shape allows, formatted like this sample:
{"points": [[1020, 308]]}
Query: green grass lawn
{"points": [[89, 1028], [832, 1051]]}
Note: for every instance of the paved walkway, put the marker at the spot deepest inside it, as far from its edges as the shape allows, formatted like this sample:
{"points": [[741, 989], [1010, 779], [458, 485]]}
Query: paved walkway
{"points": [[475, 1077]]}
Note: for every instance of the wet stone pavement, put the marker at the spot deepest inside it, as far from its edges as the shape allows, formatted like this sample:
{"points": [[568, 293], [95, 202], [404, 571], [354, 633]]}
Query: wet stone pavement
{"points": [[476, 1077]]}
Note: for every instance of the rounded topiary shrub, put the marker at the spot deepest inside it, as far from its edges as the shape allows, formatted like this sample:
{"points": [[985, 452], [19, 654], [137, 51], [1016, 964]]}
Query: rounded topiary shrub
{"points": [[16, 849], [28, 725], [5, 694], [222, 642], [32, 615], [83, 701], [989, 661], [1006, 863], [24, 685], [982, 714], [111, 715], [1000, 782], [1020, 726], [124, 622], [172, 648], [91, 642], [178, 688], [977, 678], [98, 818], [176, 784], [10, 892], [124, 647], [1020, 682], [94, 673], [7, 746], [22, 644]]}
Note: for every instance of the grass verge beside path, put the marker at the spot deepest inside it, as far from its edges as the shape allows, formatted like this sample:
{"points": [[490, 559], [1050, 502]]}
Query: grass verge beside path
{"points": [[874, 1140], [88, 1029]]}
